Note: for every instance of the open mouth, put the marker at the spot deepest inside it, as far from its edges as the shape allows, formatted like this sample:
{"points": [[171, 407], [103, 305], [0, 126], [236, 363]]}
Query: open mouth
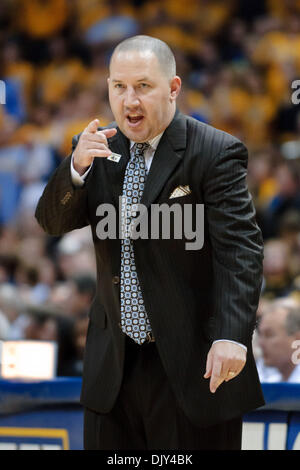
{"points": [[134, 119]]}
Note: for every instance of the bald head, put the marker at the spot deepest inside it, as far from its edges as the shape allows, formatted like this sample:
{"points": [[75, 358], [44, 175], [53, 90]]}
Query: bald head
{"points": [[144, 44], [143, 87]]}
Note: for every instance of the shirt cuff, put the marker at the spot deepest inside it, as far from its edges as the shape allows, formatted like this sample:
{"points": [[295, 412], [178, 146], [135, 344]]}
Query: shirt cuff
{"points": [[77, 179], [231, 341]]}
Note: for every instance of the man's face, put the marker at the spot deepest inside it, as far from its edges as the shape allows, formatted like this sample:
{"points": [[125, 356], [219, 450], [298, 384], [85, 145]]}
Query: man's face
{"points": [[141, 96], [275, 343]]}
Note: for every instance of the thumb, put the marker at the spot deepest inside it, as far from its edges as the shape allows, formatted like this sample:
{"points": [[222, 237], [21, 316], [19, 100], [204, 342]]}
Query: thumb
{"points": [[93, 126], [208, 366], [109, 132]]}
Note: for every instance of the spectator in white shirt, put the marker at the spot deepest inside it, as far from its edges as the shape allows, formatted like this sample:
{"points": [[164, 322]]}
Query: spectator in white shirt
{"points": [[279, 340]]}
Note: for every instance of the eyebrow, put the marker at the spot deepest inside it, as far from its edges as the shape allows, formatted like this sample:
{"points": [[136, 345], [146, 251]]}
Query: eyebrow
{"points": [[144, 79]]}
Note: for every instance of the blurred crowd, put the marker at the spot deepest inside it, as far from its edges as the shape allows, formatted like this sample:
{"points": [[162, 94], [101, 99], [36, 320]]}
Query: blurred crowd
{"points": [[238, 60]]}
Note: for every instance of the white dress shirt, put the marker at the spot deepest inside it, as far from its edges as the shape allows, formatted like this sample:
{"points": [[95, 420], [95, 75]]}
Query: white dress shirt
{"points": [[78, 180], [272, 375]]}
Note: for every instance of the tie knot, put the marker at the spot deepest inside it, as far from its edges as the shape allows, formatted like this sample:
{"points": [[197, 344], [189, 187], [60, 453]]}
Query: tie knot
{"points": [[140, 148]]}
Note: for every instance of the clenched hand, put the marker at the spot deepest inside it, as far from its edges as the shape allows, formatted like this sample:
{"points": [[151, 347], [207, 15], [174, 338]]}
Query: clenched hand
{"points": [[92, 143]]}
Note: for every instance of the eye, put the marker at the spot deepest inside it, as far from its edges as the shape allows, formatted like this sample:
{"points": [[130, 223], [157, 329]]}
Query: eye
{"points": [[119, 85], [144, 85]]}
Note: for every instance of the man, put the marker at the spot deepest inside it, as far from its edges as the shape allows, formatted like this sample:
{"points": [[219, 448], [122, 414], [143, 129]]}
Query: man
{"points": [[170, 328], [279, 340]]}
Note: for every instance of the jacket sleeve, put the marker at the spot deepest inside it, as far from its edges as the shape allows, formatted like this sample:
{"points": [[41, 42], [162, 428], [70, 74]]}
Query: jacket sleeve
{"points": [[63, 206], [237, 245]]}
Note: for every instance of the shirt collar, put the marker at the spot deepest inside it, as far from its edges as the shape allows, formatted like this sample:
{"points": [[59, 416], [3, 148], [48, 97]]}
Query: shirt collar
{"points": [[152, 142]]}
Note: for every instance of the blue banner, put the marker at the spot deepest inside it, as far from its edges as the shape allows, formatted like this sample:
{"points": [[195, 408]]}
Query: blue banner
{"points": [[47, 415]]}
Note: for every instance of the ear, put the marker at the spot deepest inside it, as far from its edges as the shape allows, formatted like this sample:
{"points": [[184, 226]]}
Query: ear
{"points": [[175, 87]]}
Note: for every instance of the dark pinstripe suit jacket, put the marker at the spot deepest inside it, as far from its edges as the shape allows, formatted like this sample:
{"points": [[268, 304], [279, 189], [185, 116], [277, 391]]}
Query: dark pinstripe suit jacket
{"points": [[192, 297]]}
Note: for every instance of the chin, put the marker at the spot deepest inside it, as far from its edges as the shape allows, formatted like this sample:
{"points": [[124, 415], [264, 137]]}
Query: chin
{"points": [[137, 137]]}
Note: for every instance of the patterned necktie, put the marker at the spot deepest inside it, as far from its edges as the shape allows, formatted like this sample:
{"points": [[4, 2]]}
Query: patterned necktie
{"points": [[134, 319]]}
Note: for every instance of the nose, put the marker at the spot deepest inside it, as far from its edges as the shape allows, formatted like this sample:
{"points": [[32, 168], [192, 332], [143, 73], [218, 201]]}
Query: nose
{"points": [[131, 100]]}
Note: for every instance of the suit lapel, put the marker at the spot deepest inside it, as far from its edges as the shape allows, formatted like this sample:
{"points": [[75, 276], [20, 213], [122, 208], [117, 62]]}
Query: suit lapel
{"points": [[168, 155], [166, 158]]}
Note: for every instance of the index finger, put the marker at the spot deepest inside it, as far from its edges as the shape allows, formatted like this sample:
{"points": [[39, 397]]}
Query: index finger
{"points": [[93, 126], [216, 377]]}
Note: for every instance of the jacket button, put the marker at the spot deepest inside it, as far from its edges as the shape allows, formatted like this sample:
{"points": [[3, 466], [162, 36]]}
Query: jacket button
{"points": [[116, 280]]}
